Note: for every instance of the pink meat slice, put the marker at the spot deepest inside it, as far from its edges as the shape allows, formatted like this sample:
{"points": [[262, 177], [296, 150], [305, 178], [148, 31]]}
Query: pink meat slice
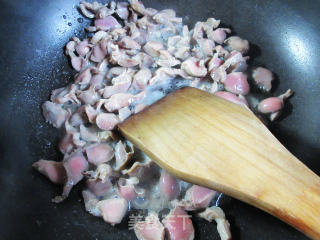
{"points": [[263, 78], [270, 105], [54, 171], [99, 153], [127, 192], [237, 83], [107, 23], [200, 196], [196, 198], [168, 185], [150, 229], [75, 165], [113, 210], [178, 225], [107, 121], [99, 188], [231, 97], [126, 188]]}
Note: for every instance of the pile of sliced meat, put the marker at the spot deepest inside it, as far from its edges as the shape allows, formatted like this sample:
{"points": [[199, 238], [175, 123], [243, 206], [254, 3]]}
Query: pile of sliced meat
{"points": [[131, 50]]}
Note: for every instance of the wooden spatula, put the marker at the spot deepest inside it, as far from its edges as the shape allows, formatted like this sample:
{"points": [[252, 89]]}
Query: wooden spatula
{"points": [[206, 140]]}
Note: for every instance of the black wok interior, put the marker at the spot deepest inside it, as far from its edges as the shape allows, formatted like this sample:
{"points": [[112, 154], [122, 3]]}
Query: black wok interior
{"points": [[284, 36]]}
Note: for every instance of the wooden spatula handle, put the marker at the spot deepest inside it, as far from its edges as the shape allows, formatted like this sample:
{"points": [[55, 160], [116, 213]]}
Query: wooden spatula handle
{"points": [[206, 140]]}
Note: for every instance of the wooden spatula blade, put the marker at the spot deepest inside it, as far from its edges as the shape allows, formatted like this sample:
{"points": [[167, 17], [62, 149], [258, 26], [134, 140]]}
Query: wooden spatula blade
{"points": [[206, 140]]}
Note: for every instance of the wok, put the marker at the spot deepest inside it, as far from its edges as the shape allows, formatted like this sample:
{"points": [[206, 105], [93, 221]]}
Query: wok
{"points": [[284, 37]]}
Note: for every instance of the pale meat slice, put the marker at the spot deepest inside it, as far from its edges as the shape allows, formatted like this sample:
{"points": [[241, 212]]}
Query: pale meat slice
{"points": [[100, 51], [91, 113], [89, 134], [113, 210], [98, 36], [79, 117], [152, 48], [84, 76], [122, 155], [216, 214], [263, 78], [54, 114], [166, 59], [83, 47], [89, 96], [129, 43], [65, 95], [163, 74], [138, 169], [107, 121], [107, 23], [150, 229], [141, 79], [143, 59], [124, 113], [238, 44], [139, 8], [220, 34], [66, 144], [102, 172], [117, 101], [121, 58], [90, 203], [194, 67], [122, 10], [120, 87], [204, 49]]}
